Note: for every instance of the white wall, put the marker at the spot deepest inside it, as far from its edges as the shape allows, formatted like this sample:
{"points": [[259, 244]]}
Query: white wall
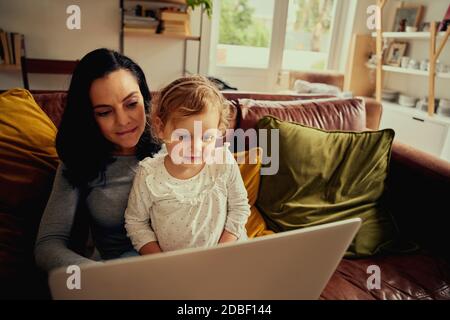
{"points": [[44, 25]]}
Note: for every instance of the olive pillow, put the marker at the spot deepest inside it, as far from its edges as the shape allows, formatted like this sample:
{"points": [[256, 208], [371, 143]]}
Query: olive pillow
{"points": [[327, 176]]}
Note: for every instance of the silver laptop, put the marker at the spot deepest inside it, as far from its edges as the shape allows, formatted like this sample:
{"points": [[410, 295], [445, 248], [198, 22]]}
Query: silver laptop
{"points": [[289, 265]]}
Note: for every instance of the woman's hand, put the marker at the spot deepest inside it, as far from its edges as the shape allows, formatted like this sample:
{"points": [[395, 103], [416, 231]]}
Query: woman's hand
{"points": [[227, 237], [150, 248]]}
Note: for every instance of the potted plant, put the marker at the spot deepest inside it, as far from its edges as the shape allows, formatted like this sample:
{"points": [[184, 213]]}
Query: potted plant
{"points": [[207, 5]]}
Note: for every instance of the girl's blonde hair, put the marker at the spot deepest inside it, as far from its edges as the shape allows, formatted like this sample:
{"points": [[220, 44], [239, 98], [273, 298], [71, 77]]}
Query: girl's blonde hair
{"points": [[189, 96]]}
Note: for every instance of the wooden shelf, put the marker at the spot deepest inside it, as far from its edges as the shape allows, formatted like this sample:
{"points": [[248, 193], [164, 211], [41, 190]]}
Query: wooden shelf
{"points": [[409, 35], [406, 71], [151, 33], [9, 67], [410, 71]]}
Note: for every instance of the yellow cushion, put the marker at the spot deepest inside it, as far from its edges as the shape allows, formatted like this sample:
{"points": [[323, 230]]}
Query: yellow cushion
{"points": [[28, 161], [250, 172], [27, 149]]}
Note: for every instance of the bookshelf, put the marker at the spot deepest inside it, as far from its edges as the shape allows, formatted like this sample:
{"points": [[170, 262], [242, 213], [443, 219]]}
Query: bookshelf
{"points": [[150, 32], [437, 41], [420, 128]]}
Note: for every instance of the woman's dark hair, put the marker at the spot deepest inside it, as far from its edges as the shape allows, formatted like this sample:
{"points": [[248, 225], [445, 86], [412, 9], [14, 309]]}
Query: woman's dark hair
{"points": [[80, 144]]}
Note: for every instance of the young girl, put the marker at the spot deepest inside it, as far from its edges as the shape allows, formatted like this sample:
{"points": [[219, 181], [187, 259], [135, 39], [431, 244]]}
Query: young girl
{"points": [[187, 197]]}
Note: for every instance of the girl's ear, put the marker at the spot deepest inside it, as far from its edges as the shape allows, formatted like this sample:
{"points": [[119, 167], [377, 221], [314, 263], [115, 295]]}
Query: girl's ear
{"points": [[158, 127]]}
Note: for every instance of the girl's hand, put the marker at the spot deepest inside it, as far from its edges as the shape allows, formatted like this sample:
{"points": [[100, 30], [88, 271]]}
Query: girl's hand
{"points": [[150, 248], [227, 237]]}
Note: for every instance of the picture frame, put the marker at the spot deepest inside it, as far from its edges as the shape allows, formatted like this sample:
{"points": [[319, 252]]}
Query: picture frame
{"points": [[407, 15], [395, 53]]}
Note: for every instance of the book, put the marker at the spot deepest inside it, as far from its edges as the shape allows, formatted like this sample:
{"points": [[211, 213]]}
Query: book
{"points": [[18, 41], [4, 41], [174, 16], [174, 23], [10, 47], [173, 33], [2, 55]]}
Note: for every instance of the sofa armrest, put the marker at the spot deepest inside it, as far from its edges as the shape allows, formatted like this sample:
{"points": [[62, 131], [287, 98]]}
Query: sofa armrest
{"points": [[418, 196]]}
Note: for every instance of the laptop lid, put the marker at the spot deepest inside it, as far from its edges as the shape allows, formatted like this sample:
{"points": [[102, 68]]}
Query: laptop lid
{"points": [[289, 265]]}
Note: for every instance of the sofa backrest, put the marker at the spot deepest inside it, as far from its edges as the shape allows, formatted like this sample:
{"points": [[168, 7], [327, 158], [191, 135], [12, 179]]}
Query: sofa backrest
{"points": [[53, 104], [327, 114], [372, 117]]}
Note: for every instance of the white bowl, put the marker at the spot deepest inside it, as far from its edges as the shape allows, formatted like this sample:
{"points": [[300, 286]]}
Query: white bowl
{"points": [[389, 95], [407, 101]]}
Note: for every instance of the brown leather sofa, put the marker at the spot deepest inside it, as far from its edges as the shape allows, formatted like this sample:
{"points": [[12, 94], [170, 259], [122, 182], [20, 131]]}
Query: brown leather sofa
{"points": [[417, 194]]}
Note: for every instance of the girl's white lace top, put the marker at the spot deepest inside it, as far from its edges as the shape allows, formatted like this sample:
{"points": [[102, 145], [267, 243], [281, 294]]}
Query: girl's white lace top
{"points": [[186, 213]]}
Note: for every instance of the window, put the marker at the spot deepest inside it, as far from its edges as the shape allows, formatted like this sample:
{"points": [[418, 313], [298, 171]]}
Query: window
{"points": [[245, 31]]}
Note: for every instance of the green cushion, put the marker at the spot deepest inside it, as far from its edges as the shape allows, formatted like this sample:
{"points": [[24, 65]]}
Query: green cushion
{"points": [[327, 176]]}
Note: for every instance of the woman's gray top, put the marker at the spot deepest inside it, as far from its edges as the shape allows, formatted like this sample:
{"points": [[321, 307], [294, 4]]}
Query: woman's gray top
{"points": [[106, 203]]}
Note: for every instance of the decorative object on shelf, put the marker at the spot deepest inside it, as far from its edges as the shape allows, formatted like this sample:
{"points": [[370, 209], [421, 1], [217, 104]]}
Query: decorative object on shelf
{"points": [[441, 67], [424, 65], [395, 53], [207, 5], [414, 64], [390, 95], [373, 60], [424, 27], [407, 15], [411, 29], [422, 104], [444, 108], [402, 25], [405, 62], [407, 101], [445, 22]]}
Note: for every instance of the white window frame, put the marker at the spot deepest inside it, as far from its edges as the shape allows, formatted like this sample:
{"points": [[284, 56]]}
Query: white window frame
{"points": [[272, 72]]}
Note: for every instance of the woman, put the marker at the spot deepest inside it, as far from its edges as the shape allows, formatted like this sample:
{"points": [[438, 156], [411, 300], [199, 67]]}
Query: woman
{"points": [[102, 137]]}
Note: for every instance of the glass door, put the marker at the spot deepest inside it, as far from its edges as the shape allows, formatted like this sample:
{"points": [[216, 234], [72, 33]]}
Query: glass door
{"points": [[308, 34]]}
